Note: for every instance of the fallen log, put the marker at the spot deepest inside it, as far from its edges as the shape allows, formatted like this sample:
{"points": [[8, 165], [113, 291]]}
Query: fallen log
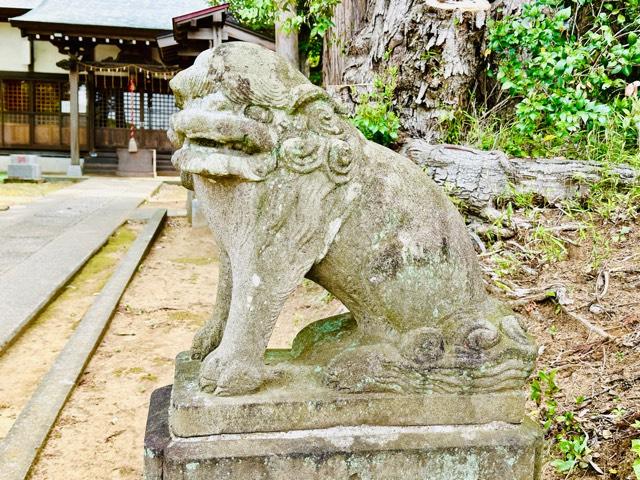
{"points": [[479, 178]]}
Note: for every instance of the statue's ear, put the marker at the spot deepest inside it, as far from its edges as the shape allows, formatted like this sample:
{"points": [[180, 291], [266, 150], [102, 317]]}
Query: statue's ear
{"points": [[307, 93], [304, 94], [301, 154], [339, 108]]}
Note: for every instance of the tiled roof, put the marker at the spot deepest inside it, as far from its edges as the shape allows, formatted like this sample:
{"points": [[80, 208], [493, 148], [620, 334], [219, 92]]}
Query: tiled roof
{"points": [[19, 4], [137, 14]]}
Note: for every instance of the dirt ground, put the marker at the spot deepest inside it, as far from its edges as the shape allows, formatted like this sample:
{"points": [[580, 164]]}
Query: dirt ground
{"points": [[100, 431], [597, 378]]}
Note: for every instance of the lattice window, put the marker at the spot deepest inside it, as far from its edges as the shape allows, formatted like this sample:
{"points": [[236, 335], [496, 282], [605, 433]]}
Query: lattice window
{"points": [[132, 109], [109, 109], [117, 109], [47, 97], [15, 95], [160, 107]]}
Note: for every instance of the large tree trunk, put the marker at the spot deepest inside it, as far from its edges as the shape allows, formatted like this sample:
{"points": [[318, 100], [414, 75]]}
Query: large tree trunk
{"points": [[287, 42], [349, 17], [435, 44], [479, 177]]}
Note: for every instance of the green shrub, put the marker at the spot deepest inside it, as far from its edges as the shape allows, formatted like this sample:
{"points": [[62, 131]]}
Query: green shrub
{"points": [[374, 115], [566, 64]]}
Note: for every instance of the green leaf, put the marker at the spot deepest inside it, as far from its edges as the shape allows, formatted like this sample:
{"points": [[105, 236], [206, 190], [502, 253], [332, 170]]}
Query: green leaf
{"points": [[564, 14], [564, 466]]}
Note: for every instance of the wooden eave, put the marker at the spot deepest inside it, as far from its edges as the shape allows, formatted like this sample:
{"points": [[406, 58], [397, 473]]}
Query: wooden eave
{"points": [[29, 28], [235, 30], [204, 13], [7, 13]]}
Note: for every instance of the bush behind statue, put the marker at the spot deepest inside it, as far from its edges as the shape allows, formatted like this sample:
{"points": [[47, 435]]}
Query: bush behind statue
{"points": [[568, 67]]}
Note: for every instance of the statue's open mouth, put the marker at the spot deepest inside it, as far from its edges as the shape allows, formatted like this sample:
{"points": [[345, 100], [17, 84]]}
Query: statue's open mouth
{"points": [[221, 144], [211, 158], [231, 148]]}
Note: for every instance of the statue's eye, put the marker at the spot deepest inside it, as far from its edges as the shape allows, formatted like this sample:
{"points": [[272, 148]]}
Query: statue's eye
{"points": [[326, 120], [258, 113]]}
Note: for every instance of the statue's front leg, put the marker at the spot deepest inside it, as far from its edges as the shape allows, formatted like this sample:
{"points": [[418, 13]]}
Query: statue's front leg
{"points": [[237, 365], [210, 335]]}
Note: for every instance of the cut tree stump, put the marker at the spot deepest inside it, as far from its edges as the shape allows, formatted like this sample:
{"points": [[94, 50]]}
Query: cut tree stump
{"points": [[436, 46], [479, 177]]}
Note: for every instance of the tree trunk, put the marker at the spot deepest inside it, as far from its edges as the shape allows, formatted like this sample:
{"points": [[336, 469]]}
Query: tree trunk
{"points": [[349, 17], [287, 43], [435, 44], [479, 177], [500, 8]]}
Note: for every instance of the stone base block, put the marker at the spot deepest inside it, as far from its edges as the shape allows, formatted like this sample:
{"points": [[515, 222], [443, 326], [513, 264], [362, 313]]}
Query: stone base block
{"points": [[198, 220], [74, 170], [24, 171], [494, 451], [299, 402], [137, 164]]}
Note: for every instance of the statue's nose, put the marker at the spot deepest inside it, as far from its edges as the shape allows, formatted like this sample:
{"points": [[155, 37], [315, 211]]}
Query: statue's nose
{"points": [[177, 85]]}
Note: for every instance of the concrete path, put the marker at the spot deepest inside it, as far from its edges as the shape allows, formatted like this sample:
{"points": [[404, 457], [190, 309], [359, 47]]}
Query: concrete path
{"points": [[43, 244]]}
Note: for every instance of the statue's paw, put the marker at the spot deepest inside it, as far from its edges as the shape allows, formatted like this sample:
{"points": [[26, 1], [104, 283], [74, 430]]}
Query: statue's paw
{"points": [[225, 376], [204, 342]]}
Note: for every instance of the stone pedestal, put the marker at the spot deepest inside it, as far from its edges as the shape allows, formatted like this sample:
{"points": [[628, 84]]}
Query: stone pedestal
{"points": [[494, 451], [74, 170], [296, 428], [24, 168], [198, 220], [137, 164]]}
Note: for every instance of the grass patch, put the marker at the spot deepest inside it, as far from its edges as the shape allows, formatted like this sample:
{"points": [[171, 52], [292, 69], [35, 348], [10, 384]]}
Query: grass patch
{"points": [[190, 318], [193, 260], [77, 294], [106, 258], [30, 189]]}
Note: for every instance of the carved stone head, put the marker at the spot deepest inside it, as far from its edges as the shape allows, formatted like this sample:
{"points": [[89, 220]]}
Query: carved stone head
{"points": [[245, 112]]}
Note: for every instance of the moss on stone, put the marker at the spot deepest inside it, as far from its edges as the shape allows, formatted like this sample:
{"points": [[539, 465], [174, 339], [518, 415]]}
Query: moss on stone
{"points": [[93, 276], [323, 330], [193, 260]]}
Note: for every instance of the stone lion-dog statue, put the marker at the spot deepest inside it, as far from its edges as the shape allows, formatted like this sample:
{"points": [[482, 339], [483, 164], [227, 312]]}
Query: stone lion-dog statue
{"points": [[291, 189]]}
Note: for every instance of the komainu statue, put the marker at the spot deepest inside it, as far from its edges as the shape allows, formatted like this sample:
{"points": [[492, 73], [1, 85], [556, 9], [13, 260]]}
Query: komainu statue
{"points": [[291, 189]]}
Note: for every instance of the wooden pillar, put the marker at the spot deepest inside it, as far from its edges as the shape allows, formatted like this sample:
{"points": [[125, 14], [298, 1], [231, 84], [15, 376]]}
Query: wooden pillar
{"points": [[287, 43], [74, 114], [91, 112], [216, 35]]}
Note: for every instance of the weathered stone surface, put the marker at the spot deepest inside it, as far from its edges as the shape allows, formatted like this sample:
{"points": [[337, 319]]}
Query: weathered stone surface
{"points": [[291, 189], [496, 451], [157, 435], [18, 171], [300, 401]]}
